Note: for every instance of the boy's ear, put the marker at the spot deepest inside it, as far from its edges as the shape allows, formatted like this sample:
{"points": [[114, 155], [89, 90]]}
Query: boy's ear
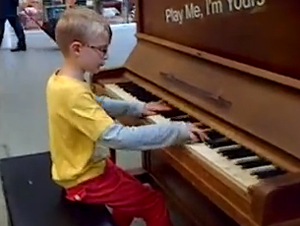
{"points": [[75, 47]]}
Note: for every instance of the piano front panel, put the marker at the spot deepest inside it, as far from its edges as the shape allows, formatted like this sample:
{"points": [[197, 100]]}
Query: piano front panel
{"points": [[265, 109], [261, 33], [182, 191]]}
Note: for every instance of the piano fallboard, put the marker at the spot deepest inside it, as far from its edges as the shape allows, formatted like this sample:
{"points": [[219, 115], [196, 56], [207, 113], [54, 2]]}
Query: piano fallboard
{"points": [[262, 108]]}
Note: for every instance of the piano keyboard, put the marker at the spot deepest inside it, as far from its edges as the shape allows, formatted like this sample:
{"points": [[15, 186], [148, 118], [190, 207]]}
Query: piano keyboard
{"points": [[239, 164]]}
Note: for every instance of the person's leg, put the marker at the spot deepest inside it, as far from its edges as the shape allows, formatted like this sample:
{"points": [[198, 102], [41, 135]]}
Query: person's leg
{"points": [[2, 28], [15, 23], [126, 196]]}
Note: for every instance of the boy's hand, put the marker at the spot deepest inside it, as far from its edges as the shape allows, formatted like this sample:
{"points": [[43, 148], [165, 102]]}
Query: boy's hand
{"points": [[154, 108], [197, 134]]}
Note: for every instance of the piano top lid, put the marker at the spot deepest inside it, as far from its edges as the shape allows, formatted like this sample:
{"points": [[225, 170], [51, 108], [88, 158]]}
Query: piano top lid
{"points": [[261, 33], [265, 109]]}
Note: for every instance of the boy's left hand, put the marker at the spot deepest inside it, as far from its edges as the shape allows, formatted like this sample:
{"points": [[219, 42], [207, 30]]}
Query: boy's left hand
{"points": [[153, 108]]}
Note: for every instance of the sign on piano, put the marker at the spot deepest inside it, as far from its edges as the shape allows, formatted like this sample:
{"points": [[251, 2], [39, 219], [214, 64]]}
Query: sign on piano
{"points": [[260, 33]]}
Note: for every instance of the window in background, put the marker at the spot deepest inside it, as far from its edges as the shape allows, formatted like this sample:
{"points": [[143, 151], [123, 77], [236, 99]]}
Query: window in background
{"points": [[45, 13]]}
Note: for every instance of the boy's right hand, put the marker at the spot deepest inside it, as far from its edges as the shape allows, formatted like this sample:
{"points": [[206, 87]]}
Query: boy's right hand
{"points": [[197, 134]]}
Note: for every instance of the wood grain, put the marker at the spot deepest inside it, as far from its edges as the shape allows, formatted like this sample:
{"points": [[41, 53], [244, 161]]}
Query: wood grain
{"points": [[262, 36]]}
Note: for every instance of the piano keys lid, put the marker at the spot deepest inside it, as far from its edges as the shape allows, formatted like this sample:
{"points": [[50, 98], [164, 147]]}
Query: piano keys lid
{"points": [[267, 110]]}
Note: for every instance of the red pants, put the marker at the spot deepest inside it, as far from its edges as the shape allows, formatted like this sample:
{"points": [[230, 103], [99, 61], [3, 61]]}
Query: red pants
{"points": [[125, 195]]}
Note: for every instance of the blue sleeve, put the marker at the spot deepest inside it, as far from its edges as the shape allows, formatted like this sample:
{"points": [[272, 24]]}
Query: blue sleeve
{"points": [[120, 107], [145, 137]]}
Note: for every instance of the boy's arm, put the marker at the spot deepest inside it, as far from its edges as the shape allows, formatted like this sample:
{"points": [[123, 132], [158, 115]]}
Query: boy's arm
{"points": [[146, 137], [119, 107], [87, 116]]}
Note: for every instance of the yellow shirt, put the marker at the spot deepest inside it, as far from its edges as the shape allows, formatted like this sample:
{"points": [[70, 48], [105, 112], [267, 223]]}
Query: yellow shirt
{"points": [[76, 121]]}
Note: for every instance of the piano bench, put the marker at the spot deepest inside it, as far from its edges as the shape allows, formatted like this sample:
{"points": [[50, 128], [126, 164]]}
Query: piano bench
{"points": [[34, 200]]}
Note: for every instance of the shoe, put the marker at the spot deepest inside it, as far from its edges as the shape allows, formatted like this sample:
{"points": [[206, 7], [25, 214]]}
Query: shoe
{"points": [[19, 48]]}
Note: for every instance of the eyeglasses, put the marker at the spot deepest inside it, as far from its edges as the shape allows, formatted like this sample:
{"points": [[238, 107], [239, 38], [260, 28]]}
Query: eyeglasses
{"points": [[102, 49]]}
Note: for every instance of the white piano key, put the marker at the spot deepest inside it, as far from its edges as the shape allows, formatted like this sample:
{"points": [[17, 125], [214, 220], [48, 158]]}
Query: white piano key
{"points": [[224, 166], [118, 92], [158, 119], [245, 159]]}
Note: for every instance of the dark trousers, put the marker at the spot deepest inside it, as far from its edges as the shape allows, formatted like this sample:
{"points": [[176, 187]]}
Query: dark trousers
{"points": [[15, 23]]}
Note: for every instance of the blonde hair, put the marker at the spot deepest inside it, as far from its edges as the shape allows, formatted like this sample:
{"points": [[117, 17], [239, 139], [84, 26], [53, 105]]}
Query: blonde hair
{"points": [[79, 24]]}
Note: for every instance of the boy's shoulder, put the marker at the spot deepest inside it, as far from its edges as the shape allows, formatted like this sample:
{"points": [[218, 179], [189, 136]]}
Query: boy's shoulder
{"points": [[64, 84], [63, 92]]}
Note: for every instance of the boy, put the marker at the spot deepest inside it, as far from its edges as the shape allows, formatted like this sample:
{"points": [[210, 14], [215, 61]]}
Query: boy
{"points": [[79, 122]]}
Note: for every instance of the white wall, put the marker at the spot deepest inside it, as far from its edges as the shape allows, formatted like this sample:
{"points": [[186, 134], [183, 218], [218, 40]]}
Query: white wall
{"points": [[123, 41]]}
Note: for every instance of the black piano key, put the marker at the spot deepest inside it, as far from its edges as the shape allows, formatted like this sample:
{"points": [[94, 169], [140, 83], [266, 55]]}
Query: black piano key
{"points": [[184, 118], [270, 173], [204, 127], [220, 142], [238, 153], [138, 92], [255, 163], [192, 120], [126, 85], [173, 113], [145, 96], [213, 135]]}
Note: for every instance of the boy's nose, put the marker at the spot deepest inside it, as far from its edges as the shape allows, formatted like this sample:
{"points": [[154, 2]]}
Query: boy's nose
{"points": [[106, 56]]}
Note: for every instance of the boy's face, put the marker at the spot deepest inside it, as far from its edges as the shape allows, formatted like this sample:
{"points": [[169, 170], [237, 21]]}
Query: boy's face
{"points": [[92, 55]]}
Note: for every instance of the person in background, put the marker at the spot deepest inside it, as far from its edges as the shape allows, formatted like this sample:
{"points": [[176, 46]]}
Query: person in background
{"points": [[8, 11]]}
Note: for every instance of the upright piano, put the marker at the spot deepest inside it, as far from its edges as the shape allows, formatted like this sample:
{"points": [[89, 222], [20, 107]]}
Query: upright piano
{"points": [[232, 67]]}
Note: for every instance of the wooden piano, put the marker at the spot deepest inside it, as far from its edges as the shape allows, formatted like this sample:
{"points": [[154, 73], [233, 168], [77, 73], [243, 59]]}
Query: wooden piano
{"points": [[233, 67]]}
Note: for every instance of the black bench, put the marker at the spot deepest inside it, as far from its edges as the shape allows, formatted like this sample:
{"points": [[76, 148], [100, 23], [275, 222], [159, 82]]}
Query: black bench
{"points": [[34, 200]]}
